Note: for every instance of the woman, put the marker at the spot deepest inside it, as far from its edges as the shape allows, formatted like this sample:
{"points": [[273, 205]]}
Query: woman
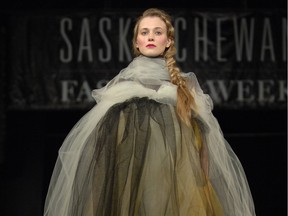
{"points": [[151, 145]]}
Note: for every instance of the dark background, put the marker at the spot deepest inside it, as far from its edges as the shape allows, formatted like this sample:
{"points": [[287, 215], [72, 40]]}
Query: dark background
{"points": [[30, 140], [122, 4]]}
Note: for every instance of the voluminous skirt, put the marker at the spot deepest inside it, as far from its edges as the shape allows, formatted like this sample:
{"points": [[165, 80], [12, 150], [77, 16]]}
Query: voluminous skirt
{"points": [[140, 159]]}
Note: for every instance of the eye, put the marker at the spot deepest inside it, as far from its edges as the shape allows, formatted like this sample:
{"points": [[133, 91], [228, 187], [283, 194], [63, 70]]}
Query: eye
{"points": [[158, 32], [144, 33]]}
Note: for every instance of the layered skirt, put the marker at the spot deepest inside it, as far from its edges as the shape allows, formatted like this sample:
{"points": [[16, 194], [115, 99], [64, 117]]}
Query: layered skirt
{"points": [[141, 160]]}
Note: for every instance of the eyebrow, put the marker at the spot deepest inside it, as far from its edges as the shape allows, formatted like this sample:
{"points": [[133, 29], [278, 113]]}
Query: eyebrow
{"points": [[156, 28]]}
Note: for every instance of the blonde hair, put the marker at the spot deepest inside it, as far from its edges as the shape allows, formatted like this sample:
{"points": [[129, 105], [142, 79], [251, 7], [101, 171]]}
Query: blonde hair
{"points": [[185, 100]]}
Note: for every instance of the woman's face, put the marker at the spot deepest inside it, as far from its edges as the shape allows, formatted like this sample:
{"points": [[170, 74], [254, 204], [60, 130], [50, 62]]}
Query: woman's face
{"points": [[152, 37]]}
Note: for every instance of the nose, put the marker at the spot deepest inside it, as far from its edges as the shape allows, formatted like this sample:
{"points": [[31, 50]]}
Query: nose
{"points": [[151, 37]]}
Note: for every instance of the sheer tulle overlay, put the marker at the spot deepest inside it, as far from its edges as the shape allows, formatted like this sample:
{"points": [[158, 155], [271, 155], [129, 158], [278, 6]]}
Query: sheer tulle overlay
{"points": [[131, 155]]}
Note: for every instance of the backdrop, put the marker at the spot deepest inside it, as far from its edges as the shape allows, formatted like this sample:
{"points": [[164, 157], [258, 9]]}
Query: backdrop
{"points": [[51, 61]]}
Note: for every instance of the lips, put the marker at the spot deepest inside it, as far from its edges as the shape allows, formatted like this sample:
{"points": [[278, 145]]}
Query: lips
{"points": [[150, 46]]}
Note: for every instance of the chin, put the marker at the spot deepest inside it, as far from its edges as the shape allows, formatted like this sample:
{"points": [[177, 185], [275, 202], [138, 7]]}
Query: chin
{"points": [[152, 55]]}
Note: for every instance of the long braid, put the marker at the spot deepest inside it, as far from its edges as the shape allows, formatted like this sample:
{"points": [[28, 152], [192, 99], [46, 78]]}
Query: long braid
{"points": [[185, 100]]}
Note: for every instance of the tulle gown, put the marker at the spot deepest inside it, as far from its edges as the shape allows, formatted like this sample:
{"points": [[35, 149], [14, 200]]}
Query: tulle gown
{"points": [[130, 155]]}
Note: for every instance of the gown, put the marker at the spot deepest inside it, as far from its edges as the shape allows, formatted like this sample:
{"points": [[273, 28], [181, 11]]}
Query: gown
{"points": [[131, 155]]}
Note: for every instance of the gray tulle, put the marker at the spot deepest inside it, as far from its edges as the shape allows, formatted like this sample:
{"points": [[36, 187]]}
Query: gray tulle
{"points": [[131, 155]]}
